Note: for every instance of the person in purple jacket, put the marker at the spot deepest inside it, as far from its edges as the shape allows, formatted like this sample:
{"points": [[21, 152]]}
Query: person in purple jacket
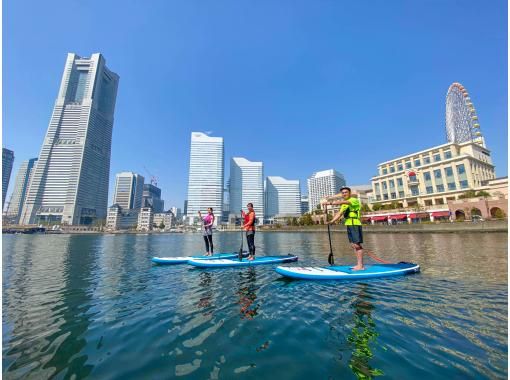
{"points": [[207, 223]]}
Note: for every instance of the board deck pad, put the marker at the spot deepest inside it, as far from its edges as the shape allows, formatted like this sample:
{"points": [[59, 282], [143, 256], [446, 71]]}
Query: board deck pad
{"points": [[222, 263], [185, 259]]}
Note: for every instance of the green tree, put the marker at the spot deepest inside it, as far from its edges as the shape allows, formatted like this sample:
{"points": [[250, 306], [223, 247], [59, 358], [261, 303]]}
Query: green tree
{"points": [[468, 194], [376, 206], [161, 225], [365, 207], [483, 193]]}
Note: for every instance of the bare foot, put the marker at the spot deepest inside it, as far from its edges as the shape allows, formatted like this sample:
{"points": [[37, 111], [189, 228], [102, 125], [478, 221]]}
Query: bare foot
{"points": [[358, 268], [250, 258]]}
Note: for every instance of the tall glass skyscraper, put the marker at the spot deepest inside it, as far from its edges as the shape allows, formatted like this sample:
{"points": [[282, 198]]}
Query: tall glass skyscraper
{"points": [[283, 197], [246, 186], [322, 184], [7, 161], [128, 190], [70, 180], [206, 174], [20, 190]]}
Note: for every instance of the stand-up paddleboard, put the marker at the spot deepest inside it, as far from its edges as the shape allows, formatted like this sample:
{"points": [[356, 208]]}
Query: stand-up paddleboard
{"points": [[185, 259], [222, 263], [344, 272]]}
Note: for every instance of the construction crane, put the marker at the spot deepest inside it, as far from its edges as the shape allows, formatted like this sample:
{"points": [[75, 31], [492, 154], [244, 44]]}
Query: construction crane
{"points": [[154, 179]]}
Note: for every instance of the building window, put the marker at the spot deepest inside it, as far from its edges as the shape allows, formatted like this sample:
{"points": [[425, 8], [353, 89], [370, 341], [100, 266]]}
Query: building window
{"points": [[461, 169], [426, 160], [428, 202], [440, 188], [393, 195], [392, 169], [417, 163], [401, 194], [400, 183], [378, 197], [448, 171], [384, 186], [400, 167], [415, 191], [385, 171], [429, 189], [392, 183], [408, 165], [463, 184], [447, 154], [377, 187], [437, 157], [437, 173], [451, 186], [426, 176], [385, 197]]}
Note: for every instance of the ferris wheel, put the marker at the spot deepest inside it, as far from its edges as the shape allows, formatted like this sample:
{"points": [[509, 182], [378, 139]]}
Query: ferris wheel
{"points": [[461, 119]]}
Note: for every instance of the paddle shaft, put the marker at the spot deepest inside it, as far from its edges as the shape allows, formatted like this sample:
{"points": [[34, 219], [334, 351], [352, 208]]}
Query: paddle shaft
{"points": [[331, 259]]}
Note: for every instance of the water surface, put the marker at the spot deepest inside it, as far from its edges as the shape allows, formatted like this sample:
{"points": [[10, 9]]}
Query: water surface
{"points": [[94, 306]]}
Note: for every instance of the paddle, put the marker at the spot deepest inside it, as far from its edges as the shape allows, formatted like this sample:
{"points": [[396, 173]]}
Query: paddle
{"points": [[331, 259], [242, 240]]}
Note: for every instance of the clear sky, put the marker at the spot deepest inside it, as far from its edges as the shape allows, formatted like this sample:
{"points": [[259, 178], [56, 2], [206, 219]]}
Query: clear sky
{"points": [[301, 85]]}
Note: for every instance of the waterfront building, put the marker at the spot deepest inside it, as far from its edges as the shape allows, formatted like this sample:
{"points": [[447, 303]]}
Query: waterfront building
{"points": [[163, 218], [145, 219], [20, 190], [304, 204], [152, 198], [282, 198], [177, 212], [129, 189], [322, 184], [433, 176], [7, 161], [246, 186], [206, 175], [119, 219], [70, 181]]}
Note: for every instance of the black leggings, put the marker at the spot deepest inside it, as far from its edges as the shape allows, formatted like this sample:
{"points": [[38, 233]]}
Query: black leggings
{"points": [[250, 238], [208, 241]]}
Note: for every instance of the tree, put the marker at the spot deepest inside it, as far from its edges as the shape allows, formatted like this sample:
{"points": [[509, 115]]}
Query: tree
{"points": [[365, 207], [329, 217], [161, 225], [483, 193], [376, 206], [306, 219], [468, 194]]}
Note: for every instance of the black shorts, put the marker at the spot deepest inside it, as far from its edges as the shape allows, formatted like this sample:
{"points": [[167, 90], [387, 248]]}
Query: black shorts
{"points": [[355, 234]]}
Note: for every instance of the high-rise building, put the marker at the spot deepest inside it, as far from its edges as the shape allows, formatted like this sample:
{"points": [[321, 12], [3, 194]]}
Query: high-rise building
{"points": [[7, 161], [246, 186], [128, 190], [206, 172], [283, 198], [70, 181], [322, 184], [304, 204], [20, 190], [152, 198]]}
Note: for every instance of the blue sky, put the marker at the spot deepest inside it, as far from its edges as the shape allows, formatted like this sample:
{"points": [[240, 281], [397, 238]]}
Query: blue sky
{"points": [[300, 85]]}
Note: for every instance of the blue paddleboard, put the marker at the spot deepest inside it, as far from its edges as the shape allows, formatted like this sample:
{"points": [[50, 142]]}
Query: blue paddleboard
{"points": [[344, 272], [185, 259], [222, 263]]}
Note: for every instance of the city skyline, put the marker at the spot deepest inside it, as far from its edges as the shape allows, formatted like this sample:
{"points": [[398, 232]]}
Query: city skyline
{"points": [[301, 81]]}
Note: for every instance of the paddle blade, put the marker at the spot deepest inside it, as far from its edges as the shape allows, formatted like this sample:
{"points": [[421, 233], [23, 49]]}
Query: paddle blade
{"points": [[331, 259]]}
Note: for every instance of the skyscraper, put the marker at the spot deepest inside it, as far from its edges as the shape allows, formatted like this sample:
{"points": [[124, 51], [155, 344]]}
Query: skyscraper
{"points": [[70, 181], [322, 184], [247, 186], [20, 190], [283, 197], [7, 161], [152, 198], [128, 190], [206, 172]]}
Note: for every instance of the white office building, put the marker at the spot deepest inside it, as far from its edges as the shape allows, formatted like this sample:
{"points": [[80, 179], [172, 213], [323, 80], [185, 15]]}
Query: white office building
{"points": [[246, 186], [206, 175], [322, 184], [7, 161], [20, 190], [283, 198], [70, 180], [128, 190]]}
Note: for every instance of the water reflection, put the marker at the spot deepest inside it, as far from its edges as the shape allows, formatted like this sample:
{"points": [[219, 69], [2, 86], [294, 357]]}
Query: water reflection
{"points": [[206, 293], [363, 335], [247, 293]]}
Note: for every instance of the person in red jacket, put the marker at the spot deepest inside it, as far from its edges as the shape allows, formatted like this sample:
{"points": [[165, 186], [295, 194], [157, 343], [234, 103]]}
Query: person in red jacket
{"points": [[249, 227]]}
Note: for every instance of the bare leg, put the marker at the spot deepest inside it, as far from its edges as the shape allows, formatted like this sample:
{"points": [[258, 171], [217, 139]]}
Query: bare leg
{"points": [[359, 257]]}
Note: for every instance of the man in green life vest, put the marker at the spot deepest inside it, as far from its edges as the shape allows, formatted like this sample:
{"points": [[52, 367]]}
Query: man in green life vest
{"points": [[350, 210]]}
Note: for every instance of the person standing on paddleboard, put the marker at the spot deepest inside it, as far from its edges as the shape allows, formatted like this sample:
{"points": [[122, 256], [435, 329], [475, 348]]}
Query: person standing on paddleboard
{"points": [[350, 210], [249, 227], [207, 223]]}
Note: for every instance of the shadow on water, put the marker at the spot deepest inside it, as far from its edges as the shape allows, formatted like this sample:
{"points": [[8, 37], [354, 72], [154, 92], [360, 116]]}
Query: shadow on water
{"points": [[247, 296]]}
